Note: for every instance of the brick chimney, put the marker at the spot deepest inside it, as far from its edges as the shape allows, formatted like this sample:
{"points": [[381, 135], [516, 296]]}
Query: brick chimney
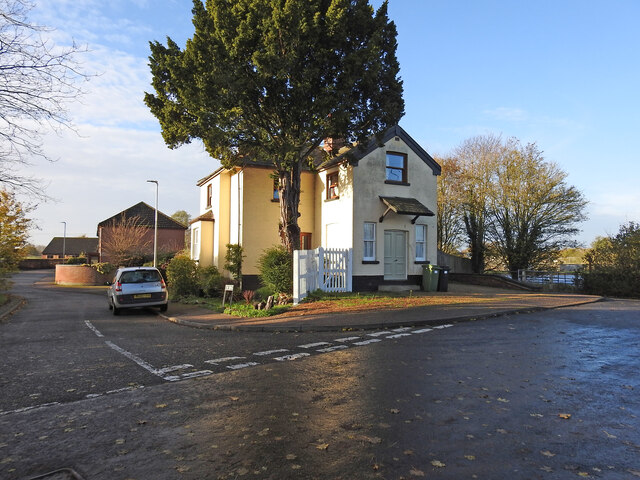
{"points": [[333, 145]]}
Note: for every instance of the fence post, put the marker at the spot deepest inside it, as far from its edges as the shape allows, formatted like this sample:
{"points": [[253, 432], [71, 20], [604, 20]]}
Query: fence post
{"points": [[296, 277], [320, 251], [349, 270]]}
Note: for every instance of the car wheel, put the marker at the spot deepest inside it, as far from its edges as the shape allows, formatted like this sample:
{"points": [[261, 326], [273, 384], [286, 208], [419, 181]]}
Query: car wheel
{"points": [[110, 306], [163, 308], [116, 311]]}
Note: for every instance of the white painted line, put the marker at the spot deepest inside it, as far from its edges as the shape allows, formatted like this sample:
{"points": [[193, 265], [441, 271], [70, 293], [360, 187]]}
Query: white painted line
{"points": [[26, 409], [271, 352], [185, 376], [314, 345], [401, 329], [367, 342], [95, 330], [424, 330], [332, 349], [134, 358], [120, 390], [216, 361], [377, 334], [295, 356], [164, 370], [348, 339], [398, 335], [444, 326], [242, 365]]}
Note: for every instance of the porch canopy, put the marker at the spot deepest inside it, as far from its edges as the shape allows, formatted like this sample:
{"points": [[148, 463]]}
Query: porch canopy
{"points": [[405, 206]]}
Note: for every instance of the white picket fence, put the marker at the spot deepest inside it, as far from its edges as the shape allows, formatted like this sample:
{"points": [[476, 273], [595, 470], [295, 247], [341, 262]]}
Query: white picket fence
{"points": [[327, 269]]}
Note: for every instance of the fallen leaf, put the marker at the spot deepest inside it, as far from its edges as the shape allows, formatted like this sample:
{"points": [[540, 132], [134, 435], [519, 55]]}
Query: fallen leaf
{"points": [[608, 434], [372, 440], [503, 400], [635, 473], [547, 453], [142, 422], [394, 411], [470, 457], [546, 469], [295, 467], [565, 416], [242, 471], [408, 452], [161, 405], [263, 432], [322, 446], [583, 474], [537, 415], [437, 463], [501, 430], [120, 441], [416, 473], [291, 456], [234, 399]]}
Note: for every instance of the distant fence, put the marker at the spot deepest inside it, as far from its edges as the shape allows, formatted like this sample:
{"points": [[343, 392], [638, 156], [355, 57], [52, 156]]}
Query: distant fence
{"points": [[547, 278], [327, 269], [456, 264]]}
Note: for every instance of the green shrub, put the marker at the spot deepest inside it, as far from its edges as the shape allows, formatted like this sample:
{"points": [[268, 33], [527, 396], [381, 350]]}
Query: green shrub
{"points": [[182, 277], [263, 293], [80, 260], [210, 281], [233, 260], [276, 269]]}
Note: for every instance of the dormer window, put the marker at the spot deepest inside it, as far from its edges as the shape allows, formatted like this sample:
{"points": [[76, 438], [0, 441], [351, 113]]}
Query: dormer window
{"points": [[396, 170], [332, 186]]}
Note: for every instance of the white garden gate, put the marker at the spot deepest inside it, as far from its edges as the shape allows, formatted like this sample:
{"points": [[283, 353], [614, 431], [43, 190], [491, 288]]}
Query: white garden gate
{"points": [[327, 269]]}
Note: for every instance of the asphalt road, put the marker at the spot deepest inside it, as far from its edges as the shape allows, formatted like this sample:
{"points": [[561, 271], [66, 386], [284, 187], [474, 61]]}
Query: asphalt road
{"points": [[550, 395]]}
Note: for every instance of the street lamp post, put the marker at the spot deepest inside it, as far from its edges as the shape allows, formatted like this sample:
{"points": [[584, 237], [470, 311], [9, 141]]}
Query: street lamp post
{"points": [[155, 227], [64, 241]]}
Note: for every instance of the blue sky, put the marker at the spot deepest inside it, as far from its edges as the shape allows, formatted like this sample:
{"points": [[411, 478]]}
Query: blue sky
{"points": [[563, 74]]}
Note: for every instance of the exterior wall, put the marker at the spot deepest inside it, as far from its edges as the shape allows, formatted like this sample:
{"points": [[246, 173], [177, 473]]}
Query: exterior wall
{"points": [[369, 183], [80, 275], [260, 215], [214, 235], [335, 216], [203, 252]]}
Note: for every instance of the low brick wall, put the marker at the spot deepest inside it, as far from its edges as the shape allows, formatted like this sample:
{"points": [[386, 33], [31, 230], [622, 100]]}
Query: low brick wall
{"points": [[488, 280], [38, 263], [80, 275]]}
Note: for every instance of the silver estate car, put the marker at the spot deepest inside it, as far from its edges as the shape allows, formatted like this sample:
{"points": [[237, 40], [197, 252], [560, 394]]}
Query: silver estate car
{"points": [[136, 287]]}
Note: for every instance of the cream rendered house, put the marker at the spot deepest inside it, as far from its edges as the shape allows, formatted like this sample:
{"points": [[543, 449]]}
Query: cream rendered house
{"points": [[380, 201]]}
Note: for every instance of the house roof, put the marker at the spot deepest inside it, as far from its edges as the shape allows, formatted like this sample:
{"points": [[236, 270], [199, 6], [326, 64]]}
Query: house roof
{"points": [[72, 246], [205, 217], [146, 214], [355, 154], [351, 154], [405, 206]]}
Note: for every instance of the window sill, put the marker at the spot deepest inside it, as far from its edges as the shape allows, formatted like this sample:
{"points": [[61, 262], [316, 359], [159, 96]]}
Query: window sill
{"points": [[393, 182], [275, 200], [332, 199], [422, 262], [370, 262]]}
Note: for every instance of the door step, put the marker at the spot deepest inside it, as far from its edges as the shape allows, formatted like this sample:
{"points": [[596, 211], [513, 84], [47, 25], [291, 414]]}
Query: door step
{"points": [[398, 288]]}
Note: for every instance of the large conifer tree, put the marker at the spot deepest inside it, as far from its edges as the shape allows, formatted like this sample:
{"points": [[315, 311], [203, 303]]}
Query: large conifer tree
{"points": [[269, 80]]}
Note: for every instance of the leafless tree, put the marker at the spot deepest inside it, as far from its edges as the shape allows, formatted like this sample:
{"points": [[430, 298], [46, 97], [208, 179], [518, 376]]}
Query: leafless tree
{"points": [[126, 241], [37, 81]]}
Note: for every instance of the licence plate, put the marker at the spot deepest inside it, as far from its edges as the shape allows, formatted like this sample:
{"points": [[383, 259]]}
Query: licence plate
{"points": [[143, 295]]}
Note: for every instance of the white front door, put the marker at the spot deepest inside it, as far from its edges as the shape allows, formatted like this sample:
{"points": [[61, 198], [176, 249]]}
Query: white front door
{"points": [[395, 255]]}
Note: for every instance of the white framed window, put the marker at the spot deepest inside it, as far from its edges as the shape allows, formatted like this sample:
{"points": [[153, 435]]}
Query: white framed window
{"points": [[369, 252], [421, 243]]}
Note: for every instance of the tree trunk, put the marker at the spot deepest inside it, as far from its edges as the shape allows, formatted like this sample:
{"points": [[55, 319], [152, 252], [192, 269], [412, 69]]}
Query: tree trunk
{"points": [[289, 193], [475, 233]]}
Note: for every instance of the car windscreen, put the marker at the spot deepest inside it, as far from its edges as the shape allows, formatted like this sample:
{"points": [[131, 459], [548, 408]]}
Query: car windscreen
{"points": [[140, 276]]}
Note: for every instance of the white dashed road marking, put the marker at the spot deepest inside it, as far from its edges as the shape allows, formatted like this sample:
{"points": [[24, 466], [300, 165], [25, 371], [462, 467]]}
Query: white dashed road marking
{"points": [[216, 361], [174, 368], [314, 345], [242, 365], [398, 335], [424, 330], [94, 329], [332, 349], [367, 342], [271, 352], [378, 334], [347, 339], [294, 356]]}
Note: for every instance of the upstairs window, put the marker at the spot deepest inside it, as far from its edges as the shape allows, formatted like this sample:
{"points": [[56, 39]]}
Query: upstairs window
{"points": [[332, 186], [209, 195], [396, 168]]}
